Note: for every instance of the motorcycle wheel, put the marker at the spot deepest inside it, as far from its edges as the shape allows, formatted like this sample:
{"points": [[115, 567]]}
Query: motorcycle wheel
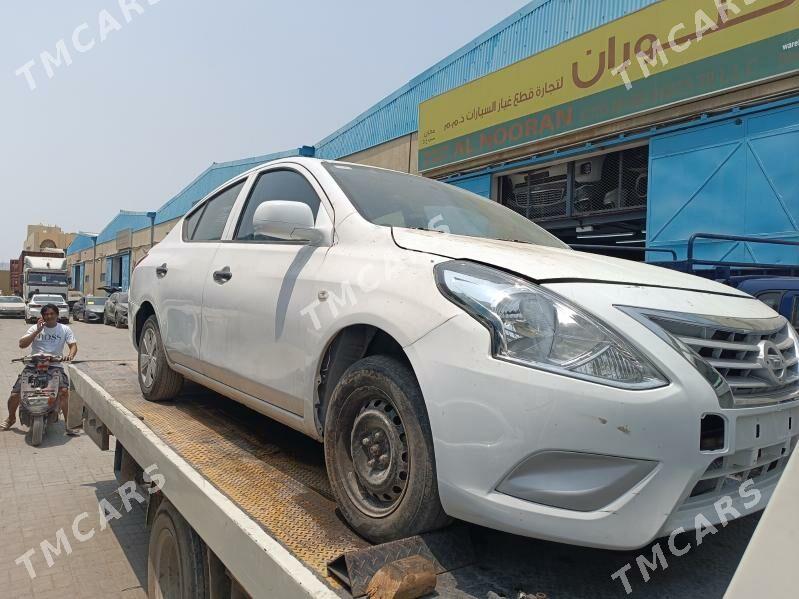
{"points": [[37, 430]]}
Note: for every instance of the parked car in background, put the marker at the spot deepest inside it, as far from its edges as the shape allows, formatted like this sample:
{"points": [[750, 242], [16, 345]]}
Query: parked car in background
{"points": [[12, 306], [89, 308], [34, 308], [457, 360], [781, 294], [116, 310]]}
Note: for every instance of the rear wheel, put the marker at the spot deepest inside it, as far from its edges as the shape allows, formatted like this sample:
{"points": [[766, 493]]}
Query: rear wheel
{"points": [[175, 558], [379, 452], [157, 380]]}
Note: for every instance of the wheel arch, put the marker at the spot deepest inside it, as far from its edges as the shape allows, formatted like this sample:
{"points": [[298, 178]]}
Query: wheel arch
{"points": [[347, 346], [142, 314]]}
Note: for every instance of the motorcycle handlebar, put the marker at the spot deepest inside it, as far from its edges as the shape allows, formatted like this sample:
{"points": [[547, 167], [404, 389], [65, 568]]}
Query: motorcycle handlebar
{"points": [[34, 358]]}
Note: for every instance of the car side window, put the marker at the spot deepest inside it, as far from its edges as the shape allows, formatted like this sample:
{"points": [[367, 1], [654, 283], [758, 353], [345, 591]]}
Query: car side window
{"points": [[208, 223], [772, 299], [275, 185]]}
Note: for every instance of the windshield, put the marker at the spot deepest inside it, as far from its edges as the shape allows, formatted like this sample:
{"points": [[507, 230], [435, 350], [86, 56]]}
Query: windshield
{"points": [[11, 299], [48, 299], [47, 278], [393, 199], [96, 301]]}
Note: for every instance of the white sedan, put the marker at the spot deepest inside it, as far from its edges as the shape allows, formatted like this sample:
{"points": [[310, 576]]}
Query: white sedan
{"points": [[458, 361], [34, 308]]}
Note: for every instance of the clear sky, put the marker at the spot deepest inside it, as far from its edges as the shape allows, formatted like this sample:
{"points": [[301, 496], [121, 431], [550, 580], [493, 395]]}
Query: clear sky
{"points": [[147, 104]]}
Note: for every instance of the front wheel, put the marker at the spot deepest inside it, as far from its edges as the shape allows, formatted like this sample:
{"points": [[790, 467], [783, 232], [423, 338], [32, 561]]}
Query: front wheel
{"points": [[37, 430], [158, 382], [379, 452]]}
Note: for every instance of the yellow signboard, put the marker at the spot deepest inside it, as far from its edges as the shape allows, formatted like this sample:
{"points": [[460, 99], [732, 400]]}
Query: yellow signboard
{"points": [[673, 50]]}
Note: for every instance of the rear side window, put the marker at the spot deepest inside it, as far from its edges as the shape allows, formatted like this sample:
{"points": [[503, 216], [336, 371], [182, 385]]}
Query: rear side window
{"points": [[208, 223], [275, 185]]}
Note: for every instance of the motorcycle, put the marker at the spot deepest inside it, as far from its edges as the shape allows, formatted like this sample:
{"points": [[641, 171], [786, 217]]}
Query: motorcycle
{"points": [[39, 405]]}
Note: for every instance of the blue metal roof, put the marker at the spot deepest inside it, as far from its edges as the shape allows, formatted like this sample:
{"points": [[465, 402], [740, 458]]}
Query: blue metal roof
{"points": [[124, 220], [538, 26], [82, 241], [211, 178]]}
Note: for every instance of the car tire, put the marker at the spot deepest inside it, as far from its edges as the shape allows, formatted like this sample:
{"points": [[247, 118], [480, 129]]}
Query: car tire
{"points": [[175, 557], [379, 452], [158, 382], [116, 322]]}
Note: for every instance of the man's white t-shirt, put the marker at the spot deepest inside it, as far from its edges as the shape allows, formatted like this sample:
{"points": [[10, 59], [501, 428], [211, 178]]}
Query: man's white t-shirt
{"points": [[51, 340]]}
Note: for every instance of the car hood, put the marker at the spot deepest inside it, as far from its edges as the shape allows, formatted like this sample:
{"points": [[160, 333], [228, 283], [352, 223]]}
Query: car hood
{"points": [[97, 309], [10, 305], [547, 265]]}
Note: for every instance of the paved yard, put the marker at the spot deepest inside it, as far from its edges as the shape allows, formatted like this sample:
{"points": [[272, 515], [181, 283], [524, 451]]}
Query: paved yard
{"points": [[43, 489]]}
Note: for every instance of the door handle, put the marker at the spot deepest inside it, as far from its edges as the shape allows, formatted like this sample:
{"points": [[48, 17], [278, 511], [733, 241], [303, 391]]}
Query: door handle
{"points": [[223, 276], [160, 271]]}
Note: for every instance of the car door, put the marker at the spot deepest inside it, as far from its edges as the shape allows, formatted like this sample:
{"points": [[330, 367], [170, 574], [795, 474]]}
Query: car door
{"points": [[180, 275], [255, 290]]}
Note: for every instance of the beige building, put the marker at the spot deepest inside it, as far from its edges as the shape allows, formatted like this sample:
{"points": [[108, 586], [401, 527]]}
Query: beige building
{"points": [[5, 282], [41, 237]]}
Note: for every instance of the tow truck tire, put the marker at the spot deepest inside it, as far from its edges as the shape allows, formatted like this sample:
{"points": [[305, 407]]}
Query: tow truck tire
{"points": [[158, 382], [175, 558], [379, 452]]}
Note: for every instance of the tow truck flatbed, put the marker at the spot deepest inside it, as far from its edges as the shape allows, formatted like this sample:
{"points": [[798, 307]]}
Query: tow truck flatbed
{"points": [[257, 494]]}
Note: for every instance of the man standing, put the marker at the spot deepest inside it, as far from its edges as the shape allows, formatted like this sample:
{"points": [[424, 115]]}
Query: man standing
{"points": [[47, 336]]}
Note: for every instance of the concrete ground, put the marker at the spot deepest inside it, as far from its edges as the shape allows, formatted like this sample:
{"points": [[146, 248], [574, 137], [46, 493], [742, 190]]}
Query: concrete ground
{"points": [[43, 489]]}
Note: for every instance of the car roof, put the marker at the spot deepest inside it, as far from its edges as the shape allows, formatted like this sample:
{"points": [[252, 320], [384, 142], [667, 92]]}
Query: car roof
{"points": [[769, 284]]}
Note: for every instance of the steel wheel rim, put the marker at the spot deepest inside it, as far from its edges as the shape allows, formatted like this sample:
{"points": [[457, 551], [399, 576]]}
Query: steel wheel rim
{"points": [[148, 361], [167, 564], [375, 455]]}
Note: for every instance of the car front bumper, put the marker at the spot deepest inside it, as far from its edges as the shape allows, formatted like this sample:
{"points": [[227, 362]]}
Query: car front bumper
{"points": [[584, 463], [12, 313]]}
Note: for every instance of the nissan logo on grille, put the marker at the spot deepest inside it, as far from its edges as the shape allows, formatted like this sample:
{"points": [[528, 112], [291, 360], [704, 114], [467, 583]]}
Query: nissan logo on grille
{"points": [[773, 361]]}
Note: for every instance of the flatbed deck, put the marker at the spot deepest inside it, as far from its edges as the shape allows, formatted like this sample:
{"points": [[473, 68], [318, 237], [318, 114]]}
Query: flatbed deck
{"points": [[258, 495]]}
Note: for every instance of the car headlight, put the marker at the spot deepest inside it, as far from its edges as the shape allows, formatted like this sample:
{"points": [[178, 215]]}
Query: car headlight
{"points": [[535, 327]]}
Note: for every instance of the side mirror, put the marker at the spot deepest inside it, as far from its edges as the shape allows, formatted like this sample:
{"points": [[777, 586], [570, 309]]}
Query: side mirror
{"points": [[286, 220]]}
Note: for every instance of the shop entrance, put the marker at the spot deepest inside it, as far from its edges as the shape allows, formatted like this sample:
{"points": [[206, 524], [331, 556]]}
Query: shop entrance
{"points": [[595, 200]]}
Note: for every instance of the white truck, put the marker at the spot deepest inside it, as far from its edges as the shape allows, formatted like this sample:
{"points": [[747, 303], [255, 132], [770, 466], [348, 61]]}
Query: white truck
{"points": [[45, 275]]}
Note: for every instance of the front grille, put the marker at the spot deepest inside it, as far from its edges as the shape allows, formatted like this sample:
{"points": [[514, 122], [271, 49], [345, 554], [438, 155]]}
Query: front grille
{"points": [[757, 357], [725, 474]]}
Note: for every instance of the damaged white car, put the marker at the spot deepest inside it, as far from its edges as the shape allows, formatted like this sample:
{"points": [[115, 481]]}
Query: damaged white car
{"points": [[458, 361]]}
